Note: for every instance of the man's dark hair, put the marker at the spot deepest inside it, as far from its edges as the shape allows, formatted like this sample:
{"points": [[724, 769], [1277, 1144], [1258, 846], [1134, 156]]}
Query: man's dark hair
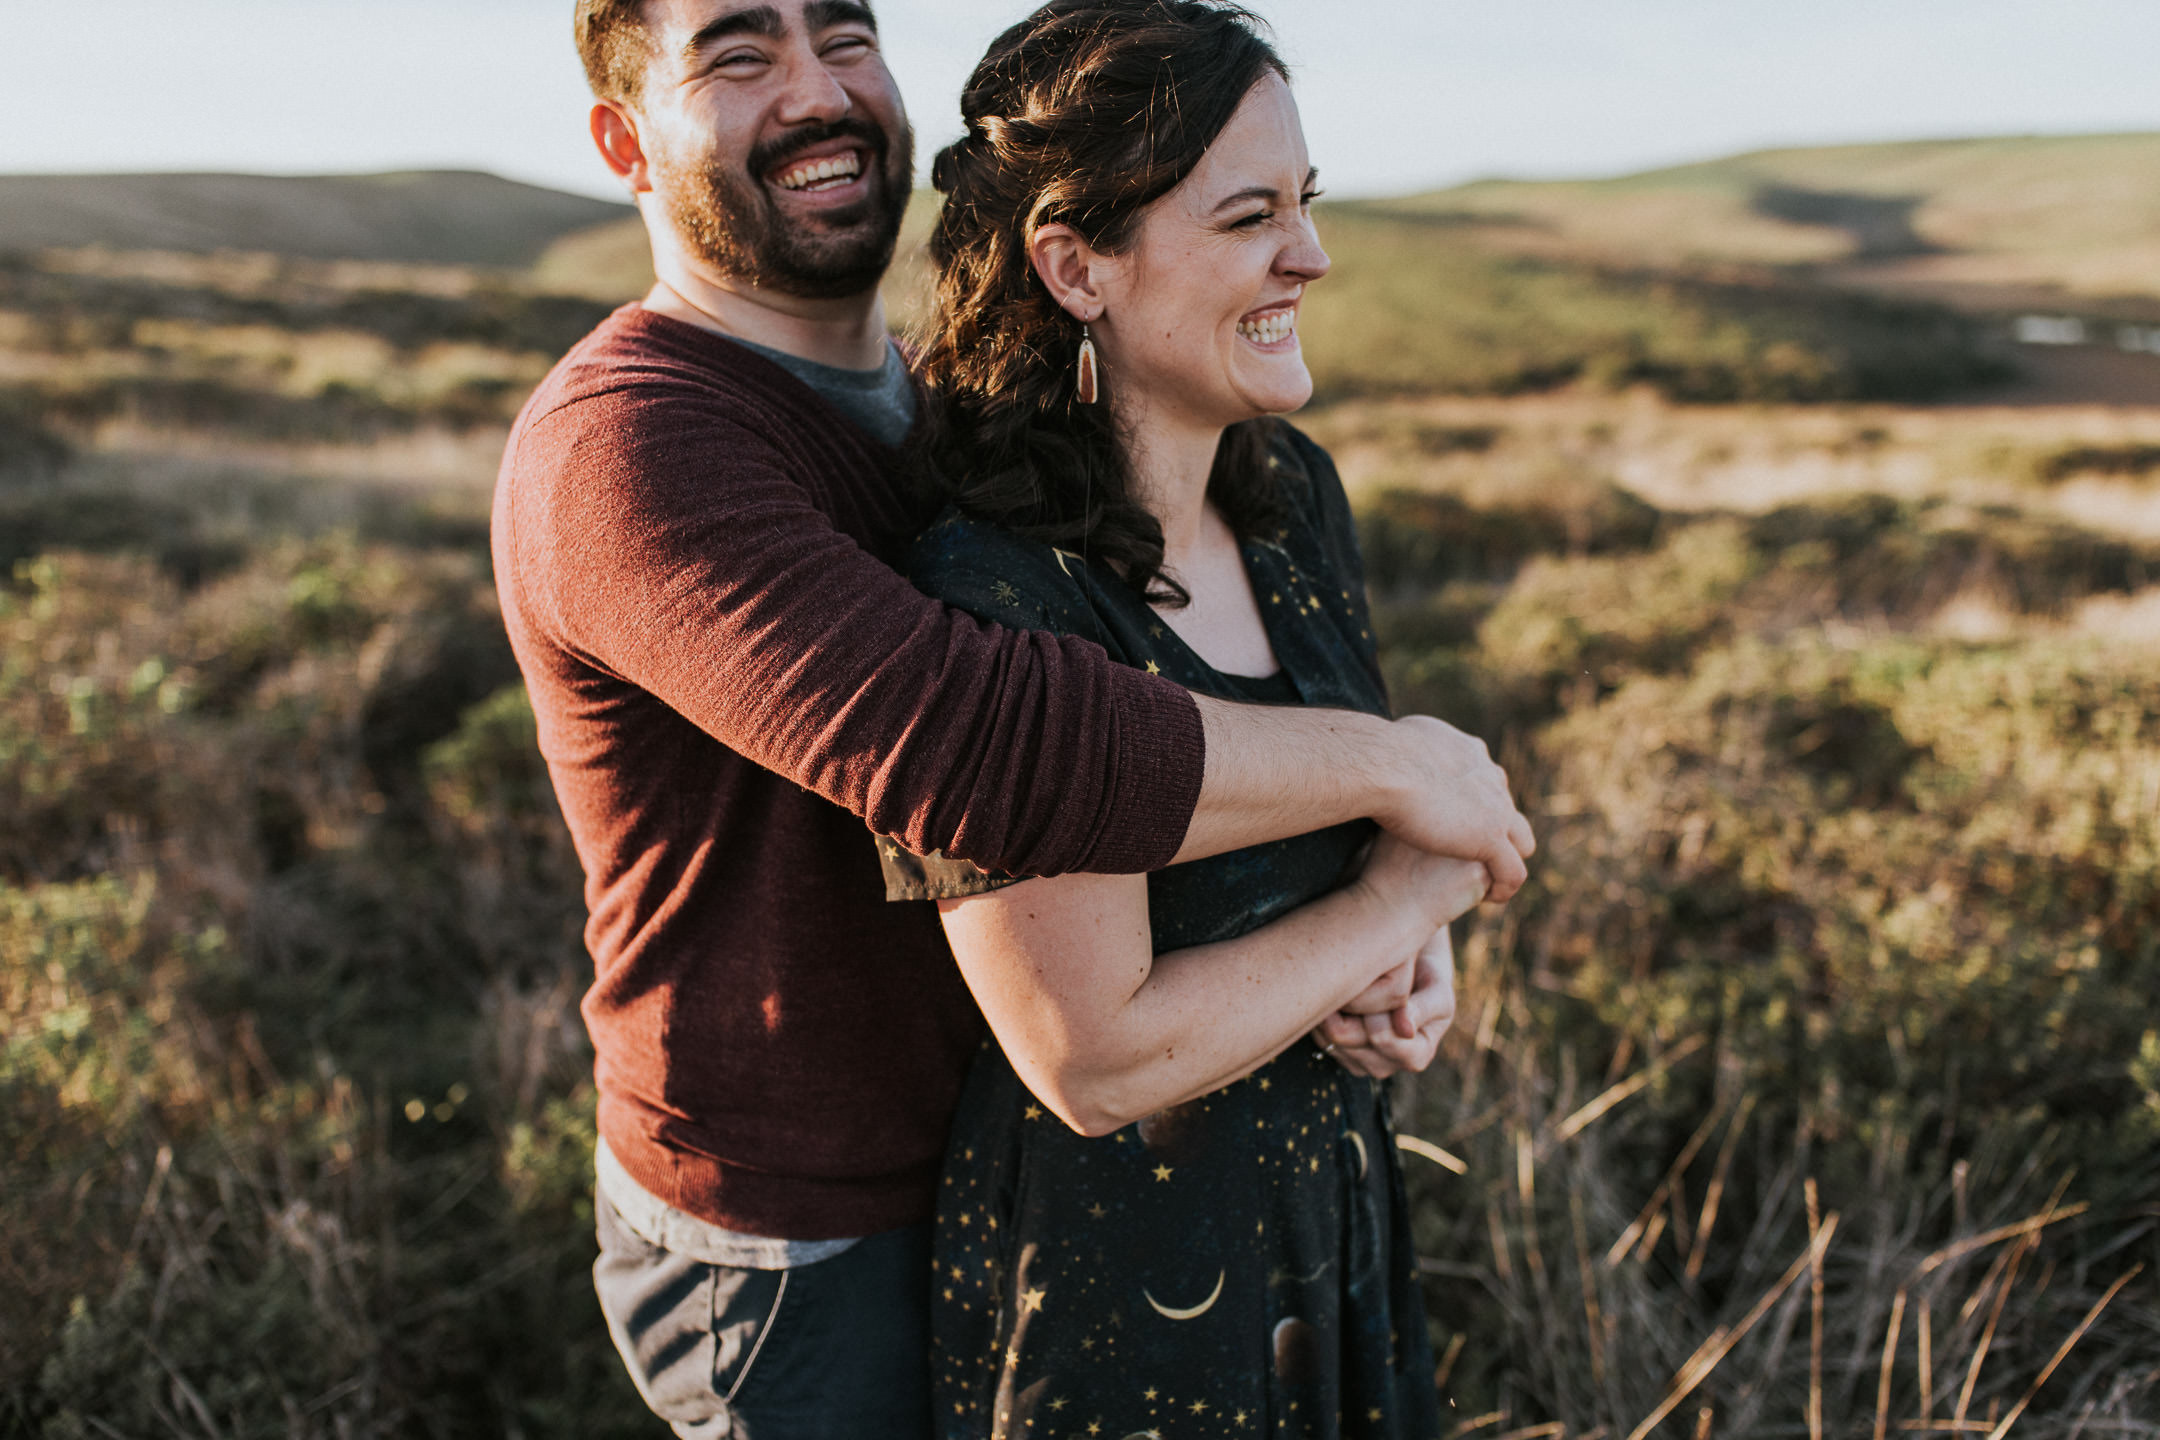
{"points": [[614, 43]]}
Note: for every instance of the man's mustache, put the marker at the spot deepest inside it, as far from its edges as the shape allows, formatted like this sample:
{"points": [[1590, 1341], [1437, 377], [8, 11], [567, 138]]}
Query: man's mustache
{"points": [[767, 155]]}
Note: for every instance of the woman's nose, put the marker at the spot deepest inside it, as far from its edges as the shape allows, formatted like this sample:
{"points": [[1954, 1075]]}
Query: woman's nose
{"points": [[1303, 259]]}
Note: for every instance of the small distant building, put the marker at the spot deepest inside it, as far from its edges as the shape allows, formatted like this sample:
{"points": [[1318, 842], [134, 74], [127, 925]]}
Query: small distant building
{"points": [[2048, 330]]}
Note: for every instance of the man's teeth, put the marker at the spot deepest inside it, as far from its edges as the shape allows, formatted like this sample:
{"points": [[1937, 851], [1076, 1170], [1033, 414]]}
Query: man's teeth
{"points": [[813, 172], [1269, 329]]}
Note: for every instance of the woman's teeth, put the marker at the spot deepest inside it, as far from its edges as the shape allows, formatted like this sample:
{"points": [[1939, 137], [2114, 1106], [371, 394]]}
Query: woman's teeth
{"points": [[1270, 329], [817, 172]]}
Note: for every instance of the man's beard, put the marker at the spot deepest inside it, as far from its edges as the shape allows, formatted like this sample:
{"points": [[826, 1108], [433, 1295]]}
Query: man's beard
{"points": [[737, 229]]}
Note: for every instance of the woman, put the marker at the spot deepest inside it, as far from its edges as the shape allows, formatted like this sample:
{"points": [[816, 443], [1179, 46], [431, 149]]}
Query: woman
{"points": [[1214, 1239]]}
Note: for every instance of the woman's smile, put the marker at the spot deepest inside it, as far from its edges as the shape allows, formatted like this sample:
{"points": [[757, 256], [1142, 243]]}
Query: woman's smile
{"points": [[1273, 329], [1200, 315]]}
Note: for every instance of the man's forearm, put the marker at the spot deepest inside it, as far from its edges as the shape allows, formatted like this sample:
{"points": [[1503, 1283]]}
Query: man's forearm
{"points": [[1274, 771]]}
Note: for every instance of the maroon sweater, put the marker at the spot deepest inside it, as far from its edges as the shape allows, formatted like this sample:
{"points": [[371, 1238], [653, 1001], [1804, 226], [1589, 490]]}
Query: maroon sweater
{"points": [[694, 554]]}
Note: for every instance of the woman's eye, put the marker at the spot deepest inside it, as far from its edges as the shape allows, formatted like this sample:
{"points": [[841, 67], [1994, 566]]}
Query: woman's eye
{"points": [[847, 45], [1308, 197], [1257, 218]]}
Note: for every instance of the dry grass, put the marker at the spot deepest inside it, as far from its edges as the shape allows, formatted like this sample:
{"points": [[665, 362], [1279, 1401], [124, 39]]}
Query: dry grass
{"points": [[1810, 1088]]}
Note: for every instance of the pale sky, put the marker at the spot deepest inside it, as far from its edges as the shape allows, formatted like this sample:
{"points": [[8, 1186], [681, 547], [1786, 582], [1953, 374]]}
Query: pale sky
{"points": [[1398, 95]]}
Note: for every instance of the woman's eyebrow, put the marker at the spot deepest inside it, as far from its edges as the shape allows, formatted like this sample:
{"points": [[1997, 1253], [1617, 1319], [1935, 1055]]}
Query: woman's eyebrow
{"points": [[1262, 192]]}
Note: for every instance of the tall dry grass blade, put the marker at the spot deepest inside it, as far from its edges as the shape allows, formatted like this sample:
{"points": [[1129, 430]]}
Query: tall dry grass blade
{"points": [[161, 1168], [1656, 1202], [1889, 1365], [1703, 1417], [1676, 1207], [1655, 1233], [1498, 1234], [1614, 1095], [1927, 1360], [1490, 1417], [1526, 1191], [1534, 1432], [1592, 1315], [1713, 1350], [2062, 1352], [1815, 1303], [1715, 1195], [1433, 1153], [1943, 1427], [1986, 1290], [2018, 1253], [1996, 1236], [1446, 1368]]}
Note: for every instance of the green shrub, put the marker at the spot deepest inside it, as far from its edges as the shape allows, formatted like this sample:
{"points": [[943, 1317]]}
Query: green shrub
{"points": [[1843, 903]]}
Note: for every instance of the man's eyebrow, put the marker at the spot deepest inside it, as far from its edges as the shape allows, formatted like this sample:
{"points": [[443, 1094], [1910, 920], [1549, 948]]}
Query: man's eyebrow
{"points": [[1261, 192], [825, 14], [760, 20]]}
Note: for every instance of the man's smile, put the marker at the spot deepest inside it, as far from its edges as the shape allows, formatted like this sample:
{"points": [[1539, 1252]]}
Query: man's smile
{"points": [[820, 172]]}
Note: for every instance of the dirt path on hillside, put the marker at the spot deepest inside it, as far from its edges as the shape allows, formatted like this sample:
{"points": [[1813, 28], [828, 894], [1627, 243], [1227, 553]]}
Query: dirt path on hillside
{"points": [[2075, 375]]}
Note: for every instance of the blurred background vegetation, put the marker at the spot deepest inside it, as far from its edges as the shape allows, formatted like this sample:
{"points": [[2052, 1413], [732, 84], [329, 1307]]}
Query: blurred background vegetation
{"points": [[1813, 1086]]}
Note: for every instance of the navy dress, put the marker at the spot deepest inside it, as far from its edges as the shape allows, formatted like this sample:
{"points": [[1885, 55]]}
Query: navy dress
{"points": [[1239, 1265]]}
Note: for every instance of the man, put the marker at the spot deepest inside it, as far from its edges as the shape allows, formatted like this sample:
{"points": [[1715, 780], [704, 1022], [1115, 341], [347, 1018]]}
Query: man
{"points": [[693, 535]]}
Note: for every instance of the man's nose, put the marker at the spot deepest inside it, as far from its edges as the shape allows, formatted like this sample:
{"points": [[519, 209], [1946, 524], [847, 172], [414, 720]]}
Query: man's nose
{"points": [[814, 95]]}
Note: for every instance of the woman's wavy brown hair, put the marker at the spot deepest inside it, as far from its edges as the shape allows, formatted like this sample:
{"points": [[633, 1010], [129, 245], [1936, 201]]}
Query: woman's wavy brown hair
{"points": [[1084, 114]]}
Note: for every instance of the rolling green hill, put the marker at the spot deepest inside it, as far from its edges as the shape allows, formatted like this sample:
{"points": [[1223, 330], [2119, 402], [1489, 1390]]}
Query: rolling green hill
{"points": [[422, 217], [2077, 212], [1817, 274]]}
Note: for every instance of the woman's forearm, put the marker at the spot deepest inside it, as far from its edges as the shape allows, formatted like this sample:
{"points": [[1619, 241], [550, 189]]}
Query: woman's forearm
{"points": [[1105, 1033], [1215, 1013]]}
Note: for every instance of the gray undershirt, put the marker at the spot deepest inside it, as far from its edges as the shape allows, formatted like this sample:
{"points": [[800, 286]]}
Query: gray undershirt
{"points": [[880, 403]]}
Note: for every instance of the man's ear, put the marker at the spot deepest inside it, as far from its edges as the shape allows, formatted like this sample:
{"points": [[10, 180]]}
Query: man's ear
{"points": [[614, 132], [1070, 269]]}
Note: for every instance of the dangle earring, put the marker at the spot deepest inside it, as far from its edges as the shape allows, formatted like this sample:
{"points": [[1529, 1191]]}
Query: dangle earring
{"points": [[1086, 386]]}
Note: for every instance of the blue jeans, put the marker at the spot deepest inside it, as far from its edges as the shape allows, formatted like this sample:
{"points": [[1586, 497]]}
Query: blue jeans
{"points": [[837, 1350]]}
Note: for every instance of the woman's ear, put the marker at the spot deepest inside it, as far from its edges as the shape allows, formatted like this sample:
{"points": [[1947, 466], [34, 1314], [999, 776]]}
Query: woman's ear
{"points": [[1069, 269]]}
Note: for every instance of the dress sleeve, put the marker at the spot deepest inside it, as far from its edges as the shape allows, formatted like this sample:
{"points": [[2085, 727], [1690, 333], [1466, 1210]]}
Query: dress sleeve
{"points": [[1001, 579]]}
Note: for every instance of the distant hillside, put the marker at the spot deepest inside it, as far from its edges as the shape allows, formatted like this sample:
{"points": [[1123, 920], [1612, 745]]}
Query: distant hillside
{"points": [[2078, 213], [425, 217]]}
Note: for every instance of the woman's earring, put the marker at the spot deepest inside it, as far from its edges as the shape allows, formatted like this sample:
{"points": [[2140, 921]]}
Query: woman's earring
{"points": [[1087, 386]]}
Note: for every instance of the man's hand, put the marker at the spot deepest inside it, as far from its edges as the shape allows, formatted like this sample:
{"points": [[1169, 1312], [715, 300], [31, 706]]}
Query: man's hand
{"points": [[1385, 1040], [1451, 799]]}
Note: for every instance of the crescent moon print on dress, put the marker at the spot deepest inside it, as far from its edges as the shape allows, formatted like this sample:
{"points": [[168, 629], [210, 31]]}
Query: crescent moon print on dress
{"points": [[1198, 1310], [1284, 1246]]}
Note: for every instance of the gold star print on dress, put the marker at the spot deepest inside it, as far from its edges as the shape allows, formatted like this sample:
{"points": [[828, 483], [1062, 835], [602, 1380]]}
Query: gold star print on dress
{"points": [[1238, 1265]]}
